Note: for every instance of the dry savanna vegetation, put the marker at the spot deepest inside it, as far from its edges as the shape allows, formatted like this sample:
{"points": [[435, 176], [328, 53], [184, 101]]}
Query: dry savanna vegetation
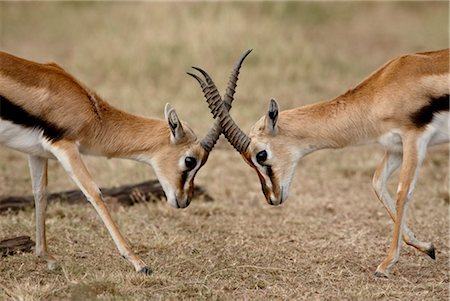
{"points": [[324, 243]]}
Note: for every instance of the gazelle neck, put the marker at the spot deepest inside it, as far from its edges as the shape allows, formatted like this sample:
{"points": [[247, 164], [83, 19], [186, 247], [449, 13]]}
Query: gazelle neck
{"points": [[125, 135], [343, 121]]}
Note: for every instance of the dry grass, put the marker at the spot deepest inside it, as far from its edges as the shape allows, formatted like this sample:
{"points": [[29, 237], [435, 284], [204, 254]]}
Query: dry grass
{"points": [[323, 244]]}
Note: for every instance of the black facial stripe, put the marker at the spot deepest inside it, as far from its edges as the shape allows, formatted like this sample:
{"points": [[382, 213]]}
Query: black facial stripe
{"points": [[263, 186], [425, 114], [17, 115], [269, 172], [183, 180], [271, 176]]}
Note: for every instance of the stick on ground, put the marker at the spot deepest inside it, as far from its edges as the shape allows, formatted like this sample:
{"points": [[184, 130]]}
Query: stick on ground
{"points": [[149, 191], [12, 245]]}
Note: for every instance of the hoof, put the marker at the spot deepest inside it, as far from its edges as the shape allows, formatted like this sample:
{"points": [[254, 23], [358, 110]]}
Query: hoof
{"points": [[431, 252], [379, 274], [53, 265], [146, 270]]}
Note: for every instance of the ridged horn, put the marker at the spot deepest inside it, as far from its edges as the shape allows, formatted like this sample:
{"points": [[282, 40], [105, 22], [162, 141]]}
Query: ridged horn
{"points": [[210, 139], [210, 91], [232, 132], [232, 81]]}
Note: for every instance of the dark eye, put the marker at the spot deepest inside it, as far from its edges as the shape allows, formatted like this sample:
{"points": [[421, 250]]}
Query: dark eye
{"points": [[190, 163], [261, 157]]}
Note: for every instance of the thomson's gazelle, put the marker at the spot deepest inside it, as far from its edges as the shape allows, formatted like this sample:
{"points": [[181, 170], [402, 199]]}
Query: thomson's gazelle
{"points": [[403, 106], [48, 114]]}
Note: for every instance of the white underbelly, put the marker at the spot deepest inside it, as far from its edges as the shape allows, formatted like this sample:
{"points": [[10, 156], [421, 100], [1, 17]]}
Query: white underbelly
{"points": [[26, 140], [439, 129], [437, 132], [392, 140]]}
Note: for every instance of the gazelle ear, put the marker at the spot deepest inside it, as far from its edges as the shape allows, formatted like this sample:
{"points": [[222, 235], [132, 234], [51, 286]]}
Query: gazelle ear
{"points": [[270, 123], [176, 129]]}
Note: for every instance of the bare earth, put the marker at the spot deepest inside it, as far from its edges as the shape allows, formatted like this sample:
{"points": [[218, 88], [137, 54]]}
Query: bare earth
{"points": [[324, 243]]}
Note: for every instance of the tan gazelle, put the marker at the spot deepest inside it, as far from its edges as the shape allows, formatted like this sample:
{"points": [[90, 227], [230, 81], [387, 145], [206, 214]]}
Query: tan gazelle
{"points": [[403, 106], [48, 114]]}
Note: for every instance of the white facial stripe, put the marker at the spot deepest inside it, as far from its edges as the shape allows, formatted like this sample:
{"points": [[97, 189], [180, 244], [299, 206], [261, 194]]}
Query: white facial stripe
{"points": [[190, 173], [262, 169], [286, 176], [171, 190]]}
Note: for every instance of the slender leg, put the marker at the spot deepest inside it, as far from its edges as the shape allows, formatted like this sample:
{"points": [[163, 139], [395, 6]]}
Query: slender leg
{"points": [[68, 155], [414, 150], [390, 163], [38, 171]]}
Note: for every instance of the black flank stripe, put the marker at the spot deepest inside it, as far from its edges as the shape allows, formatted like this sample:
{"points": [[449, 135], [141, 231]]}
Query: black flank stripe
{"points": [[425, 114], [17, 115]]}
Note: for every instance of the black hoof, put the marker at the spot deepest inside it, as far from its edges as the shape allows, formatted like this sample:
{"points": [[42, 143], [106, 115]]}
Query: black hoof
{"points": [[380, 275], [431, 252], [146, 270]]}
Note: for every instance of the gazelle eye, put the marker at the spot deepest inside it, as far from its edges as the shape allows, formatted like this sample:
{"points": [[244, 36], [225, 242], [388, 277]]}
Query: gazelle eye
{"points": [[190, 163], [261, 157]]}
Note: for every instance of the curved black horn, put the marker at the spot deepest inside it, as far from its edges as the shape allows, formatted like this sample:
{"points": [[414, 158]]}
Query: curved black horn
{"points": [[232, 82], [232, 132], [210, 91]]}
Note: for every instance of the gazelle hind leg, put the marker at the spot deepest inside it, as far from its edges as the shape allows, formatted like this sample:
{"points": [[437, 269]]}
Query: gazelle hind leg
{"points": [[38, 171], [414, 150], [68, 155], [390, 163]]}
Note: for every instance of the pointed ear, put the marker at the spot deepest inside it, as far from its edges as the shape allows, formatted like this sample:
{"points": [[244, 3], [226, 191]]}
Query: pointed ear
{"points": [[176, 129], [270, 124]]}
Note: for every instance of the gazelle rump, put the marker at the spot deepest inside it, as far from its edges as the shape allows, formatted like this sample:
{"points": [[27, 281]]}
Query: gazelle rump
{"points": [[46, 113], [403, 106]]}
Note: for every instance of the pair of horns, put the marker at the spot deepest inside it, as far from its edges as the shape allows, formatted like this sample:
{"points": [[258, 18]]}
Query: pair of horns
{"points": [[224, 123]]}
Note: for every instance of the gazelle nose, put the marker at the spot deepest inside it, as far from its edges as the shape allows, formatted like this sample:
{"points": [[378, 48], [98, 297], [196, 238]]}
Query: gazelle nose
{"points": [[183, 203], [275, 201]]}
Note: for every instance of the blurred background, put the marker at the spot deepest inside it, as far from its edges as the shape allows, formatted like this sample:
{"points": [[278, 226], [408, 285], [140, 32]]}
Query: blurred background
{"points": [[135, 55]]}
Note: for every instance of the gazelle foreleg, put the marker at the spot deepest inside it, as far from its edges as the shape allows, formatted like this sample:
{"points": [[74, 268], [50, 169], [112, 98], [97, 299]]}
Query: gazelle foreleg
{"points": [[414, 150], [390, 163], [68, 155], [38, 171]]}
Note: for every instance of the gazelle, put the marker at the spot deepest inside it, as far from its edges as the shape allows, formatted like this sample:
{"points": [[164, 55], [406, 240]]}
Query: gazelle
{"points": [[403, 106], [48, 114]]}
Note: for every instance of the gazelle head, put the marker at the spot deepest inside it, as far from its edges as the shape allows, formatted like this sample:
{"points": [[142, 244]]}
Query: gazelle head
{"points": [[271, 154], [178, 160], [177, 164], [267, 149]]}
